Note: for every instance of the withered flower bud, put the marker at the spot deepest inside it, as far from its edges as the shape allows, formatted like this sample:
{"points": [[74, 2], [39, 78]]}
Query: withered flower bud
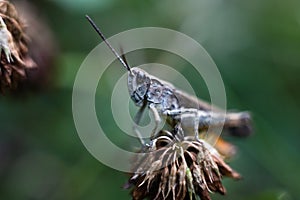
{"points": [[13, 44], [178, 167]]}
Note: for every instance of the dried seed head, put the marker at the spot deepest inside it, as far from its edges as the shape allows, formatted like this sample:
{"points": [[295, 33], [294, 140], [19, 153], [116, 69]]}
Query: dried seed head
{"points": [[13, 45], [43, 49], [178, 167]]}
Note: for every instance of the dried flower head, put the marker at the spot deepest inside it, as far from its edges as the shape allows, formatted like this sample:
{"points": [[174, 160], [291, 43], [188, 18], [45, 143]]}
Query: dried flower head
{"points": [[13, 45], [178, 167]]}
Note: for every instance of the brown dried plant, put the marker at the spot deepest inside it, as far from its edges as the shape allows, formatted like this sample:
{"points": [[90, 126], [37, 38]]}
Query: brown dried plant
{"points": [[15, 59], [178, 167]]}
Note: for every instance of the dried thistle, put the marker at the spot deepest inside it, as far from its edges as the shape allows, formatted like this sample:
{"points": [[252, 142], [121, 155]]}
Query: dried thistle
{"points": [[178, 167], [41, 36], [14, 51]]}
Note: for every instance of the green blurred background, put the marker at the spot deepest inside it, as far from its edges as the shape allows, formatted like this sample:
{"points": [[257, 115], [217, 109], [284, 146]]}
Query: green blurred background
{"points": [[256, 46]]}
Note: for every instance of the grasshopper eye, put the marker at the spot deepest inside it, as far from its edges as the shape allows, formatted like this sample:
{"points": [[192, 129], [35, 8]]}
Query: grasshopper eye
{"points": [[140, 78], [141, 90]]}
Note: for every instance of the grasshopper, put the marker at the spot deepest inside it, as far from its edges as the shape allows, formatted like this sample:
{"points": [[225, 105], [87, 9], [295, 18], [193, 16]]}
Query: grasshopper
{"points": [[164, 100]]}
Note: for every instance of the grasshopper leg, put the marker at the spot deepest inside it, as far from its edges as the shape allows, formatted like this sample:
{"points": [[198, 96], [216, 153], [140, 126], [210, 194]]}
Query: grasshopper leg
{"points": [[137, 119], [196, 119], [183, 114], [156, 118]]}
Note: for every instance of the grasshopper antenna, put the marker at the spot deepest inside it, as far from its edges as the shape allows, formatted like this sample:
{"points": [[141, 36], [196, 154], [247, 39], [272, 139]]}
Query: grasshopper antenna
{"points": [[123, 62], [123, 56]]}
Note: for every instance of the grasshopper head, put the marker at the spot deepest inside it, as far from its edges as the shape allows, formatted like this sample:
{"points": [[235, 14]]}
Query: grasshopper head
{"points": [[138, 85]]}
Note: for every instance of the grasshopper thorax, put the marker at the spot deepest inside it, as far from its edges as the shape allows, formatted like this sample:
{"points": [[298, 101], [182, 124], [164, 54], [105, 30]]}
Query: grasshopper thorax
{"points": [[143, 88], [138, 85]]}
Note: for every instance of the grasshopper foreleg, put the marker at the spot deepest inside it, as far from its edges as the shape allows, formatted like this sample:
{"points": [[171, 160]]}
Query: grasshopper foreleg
{"points": [[137, 119], [156, 118]]}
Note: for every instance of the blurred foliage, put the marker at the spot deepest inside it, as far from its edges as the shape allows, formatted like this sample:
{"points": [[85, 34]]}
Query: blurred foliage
{"points": [[255, 45]]}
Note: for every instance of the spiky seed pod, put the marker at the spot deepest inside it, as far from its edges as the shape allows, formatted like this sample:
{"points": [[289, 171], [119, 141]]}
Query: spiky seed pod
{"points": [[13, 44], [178, 167]]}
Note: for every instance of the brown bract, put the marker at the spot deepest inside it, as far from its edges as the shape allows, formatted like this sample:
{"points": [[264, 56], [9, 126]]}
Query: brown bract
{"points": [[14, 45], [178, 167]]}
